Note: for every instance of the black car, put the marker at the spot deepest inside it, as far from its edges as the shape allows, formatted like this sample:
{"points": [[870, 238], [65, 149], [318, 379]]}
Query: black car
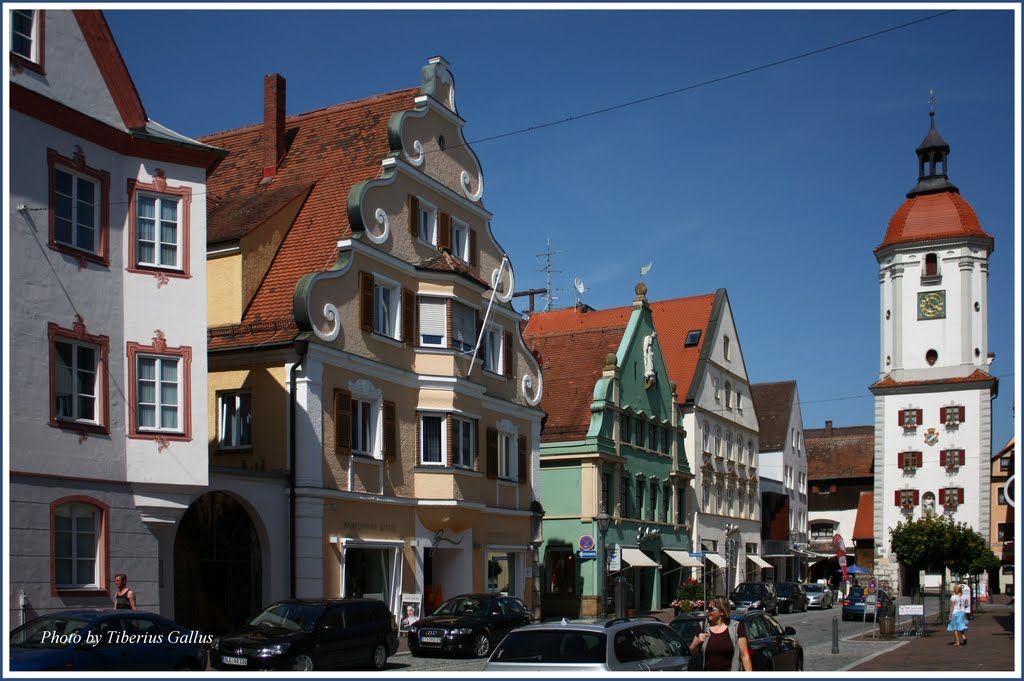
{"points": [[470, 624], [107, 641], [792, 597], [755, 596], [309, 634], [687, 625], [772, 646]]}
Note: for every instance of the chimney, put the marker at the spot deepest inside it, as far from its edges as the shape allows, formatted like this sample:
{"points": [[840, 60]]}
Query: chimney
{"points": [[273, 123], [828, 429]]}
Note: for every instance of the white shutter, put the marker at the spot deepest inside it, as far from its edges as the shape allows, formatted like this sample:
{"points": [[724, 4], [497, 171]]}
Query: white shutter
{"points": [[432, 322], [464, 327]]}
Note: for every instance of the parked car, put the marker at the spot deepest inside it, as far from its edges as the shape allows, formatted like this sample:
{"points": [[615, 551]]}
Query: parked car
{"points": [[471, 624], [772, 646], [106, 640], [687, 624], [618, 645], [755, 596], [311, 634], [792, 597], [854, 604], [819, 596]]}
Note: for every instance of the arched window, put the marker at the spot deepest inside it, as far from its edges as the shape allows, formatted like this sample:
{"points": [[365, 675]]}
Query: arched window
{"points": [[718, 441], [706, 433]]}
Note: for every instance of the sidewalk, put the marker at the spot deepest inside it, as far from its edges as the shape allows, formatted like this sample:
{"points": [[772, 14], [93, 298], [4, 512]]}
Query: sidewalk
{"points": [[990, 646]]}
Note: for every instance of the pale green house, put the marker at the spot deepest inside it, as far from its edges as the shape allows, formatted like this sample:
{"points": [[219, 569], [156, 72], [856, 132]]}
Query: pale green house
{"points": [[613, 440]]}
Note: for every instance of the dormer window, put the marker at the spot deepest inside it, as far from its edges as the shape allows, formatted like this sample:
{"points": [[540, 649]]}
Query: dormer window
{"points": [[909, 419], [692, 338], [952, 416]]}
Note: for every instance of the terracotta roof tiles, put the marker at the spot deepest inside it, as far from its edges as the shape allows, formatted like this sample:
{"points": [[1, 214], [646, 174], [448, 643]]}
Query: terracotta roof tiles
{"points": [[978, 375], [864, 525], [933, 216]]}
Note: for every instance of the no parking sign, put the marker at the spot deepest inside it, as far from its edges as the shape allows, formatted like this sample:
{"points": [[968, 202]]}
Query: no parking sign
{"points": [[872, 585]]}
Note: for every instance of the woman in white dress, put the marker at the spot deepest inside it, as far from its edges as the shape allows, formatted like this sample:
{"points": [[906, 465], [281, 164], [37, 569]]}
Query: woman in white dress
{"points": [[958, 606]]}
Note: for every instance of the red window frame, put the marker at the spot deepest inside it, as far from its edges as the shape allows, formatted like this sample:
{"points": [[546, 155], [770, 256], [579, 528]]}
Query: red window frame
{"points": [[78, 334], [102, 551], [160, 187], [161, 349], [77, 164]]}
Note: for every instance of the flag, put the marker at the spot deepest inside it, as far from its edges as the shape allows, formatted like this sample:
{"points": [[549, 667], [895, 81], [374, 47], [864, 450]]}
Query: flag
{"points": [[646, 268]]}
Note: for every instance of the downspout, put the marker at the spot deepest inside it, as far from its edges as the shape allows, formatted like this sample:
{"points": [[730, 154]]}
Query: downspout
{"points": [[301, 346]]}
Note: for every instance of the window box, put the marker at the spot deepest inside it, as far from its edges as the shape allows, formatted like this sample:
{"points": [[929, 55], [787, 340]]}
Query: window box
{"points": [[951, 459], [952, 417]]}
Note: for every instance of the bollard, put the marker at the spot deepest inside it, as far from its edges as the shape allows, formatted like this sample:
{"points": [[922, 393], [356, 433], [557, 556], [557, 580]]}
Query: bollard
{"points": [[835, 636]]}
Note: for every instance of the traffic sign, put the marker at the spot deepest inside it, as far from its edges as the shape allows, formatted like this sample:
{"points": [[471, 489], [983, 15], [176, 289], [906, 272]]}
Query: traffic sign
{"points": [[587, 543], [588, 554], [872, 585], [696, 554]]}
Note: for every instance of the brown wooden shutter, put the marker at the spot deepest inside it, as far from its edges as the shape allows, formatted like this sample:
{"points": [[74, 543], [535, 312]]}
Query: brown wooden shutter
{"points": [[920, 417], [414, 216], [962, 411], [366, 301], [450, 426], [524, 460], [901, 419], [942, 497], [959, 495], [961, 456], [902, 459], [942, 414], [492, 453], [917, 497], [417, 439], [342, 422], [444, 232], [942, 457], [899, 498], [474, 255], [508, 354], [476, 443], [390, 432], [448, 314], [408, 317]]}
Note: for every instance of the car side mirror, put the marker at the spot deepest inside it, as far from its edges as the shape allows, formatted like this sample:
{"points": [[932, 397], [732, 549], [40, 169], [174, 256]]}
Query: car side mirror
{"points": [[790, 631]]}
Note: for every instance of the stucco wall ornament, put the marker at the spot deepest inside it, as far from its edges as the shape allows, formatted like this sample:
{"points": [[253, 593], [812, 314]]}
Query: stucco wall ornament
{"points": [[332, 317], [504, 293], [650, 375], [466, 183], [417, 146], [385, 224], [528, 386]]}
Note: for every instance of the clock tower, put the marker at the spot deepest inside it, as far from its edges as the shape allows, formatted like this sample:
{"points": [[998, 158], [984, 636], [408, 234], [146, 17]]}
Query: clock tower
{"points": [[933, 434]]}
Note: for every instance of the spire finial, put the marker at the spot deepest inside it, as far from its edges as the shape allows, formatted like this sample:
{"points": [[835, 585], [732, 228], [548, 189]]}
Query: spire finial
{"points": [[931, 104]]}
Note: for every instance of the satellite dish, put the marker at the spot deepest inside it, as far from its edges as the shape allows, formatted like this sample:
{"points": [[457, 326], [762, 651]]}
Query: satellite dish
{"points": [[580, 288]]}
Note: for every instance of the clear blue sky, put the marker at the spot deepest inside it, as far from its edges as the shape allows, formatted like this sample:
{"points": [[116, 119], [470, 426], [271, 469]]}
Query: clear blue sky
{"points": [[776, 185]]}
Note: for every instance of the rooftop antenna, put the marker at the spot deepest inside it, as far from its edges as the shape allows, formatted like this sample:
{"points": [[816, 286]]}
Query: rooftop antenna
{"points": [[549, 269], [580, 290]]}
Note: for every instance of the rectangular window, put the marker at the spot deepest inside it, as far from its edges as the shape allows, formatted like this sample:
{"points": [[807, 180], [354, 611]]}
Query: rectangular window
{"points": [[24, 32], [624, 495], [739, 499], [493, 349], [1001, 496], [1005, 532], [907, 498], [718, 499], [653, 514], [680, 506], [464, 454], [235, 430], [432, 435], [606, 491], [705, 499], [362, 427], [952, 416], [506, 457], [387, 303], [739, 401], [692, 338], [158, 231], [433, 322], [706, 438], [666, 497], [652, 436], [728, 500], [76, 535], [638, 433], [463, 327], [625, 428], [460, 240], [76, 386], [910, 418], [158, 393], [1005, 464], [76, 210], [427, 223], [638, 499]]}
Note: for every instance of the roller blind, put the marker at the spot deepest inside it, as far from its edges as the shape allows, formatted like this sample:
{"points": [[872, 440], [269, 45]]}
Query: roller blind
{"points": [[432, 321]]}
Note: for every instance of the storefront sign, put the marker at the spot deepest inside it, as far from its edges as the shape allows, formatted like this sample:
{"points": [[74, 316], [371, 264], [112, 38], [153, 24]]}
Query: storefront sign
{"points": [[614, 558]]}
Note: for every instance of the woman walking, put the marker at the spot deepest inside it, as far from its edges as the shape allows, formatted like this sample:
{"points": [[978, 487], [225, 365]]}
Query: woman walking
{"points": [[722, 643], [958, 616]]}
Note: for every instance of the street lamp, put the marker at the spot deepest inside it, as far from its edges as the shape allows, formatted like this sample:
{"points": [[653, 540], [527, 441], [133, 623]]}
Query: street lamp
{"points": [[730, 555], [603, 520]]}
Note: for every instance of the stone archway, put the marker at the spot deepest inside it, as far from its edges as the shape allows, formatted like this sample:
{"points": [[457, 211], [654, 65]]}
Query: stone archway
{"points": [[217, 565]]}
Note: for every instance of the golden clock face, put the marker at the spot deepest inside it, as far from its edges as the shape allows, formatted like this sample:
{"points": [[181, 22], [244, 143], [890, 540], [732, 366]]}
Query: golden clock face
{"points": [[931, 305]]}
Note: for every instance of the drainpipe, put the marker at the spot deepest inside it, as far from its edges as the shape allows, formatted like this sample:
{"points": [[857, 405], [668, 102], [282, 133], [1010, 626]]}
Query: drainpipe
{"points": [[301, 347]]}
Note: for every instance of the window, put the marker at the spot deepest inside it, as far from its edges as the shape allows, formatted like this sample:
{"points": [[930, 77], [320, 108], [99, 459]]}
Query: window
{"points": [[606, 491], [909, 418], [506, 457], [460, 240], [728, 500], [718, 499], [79, 222], [726, 347], [714, 385], [427, 223], [728, 395], [739, 401], [235, 428], [705, 500], [666, 496], [624, 495], [1001, 496], [493, 350], [907, 498], [160, 390], [78, 534], [739, 499], [1005, 532], [363, 427], [680, 506], [159, 228], [753, 508], [638, 433], [931, 265], [652, 436], [706, 437], [750, 451], [1005, 464], [639, 498], [666, 441], [463, 327], [728, 446], [26, 36], [432, 436], [626, 428], [387, 303], [433, 322], [718, 441], [653, 514], [952, 416], [951, 497], [952, 458], [78, 379], [464, 454]]}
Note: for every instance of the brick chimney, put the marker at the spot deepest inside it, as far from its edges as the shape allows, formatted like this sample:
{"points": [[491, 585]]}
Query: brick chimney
{"points": [[828, 429], [273, 123]]}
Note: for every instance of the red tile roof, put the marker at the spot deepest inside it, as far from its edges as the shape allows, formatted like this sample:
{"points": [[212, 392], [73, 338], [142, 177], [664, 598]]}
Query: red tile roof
{"points": [[978, 375], [840, 452], [331, 148], [443, 261], [864, 525], [933, 216], [773, 403]]}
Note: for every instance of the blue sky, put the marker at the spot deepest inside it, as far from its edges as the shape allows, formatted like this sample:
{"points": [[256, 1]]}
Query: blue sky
{"points": [[776, 185]]}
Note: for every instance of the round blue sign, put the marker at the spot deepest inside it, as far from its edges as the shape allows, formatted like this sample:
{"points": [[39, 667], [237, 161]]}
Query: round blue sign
{"points": [[587, 543]]}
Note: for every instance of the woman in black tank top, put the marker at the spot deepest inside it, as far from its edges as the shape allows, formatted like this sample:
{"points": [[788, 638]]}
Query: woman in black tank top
{"points": [[124, 598]]}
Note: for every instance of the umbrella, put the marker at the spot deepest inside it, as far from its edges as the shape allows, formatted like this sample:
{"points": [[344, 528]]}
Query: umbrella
{"points": [[856, 570]]}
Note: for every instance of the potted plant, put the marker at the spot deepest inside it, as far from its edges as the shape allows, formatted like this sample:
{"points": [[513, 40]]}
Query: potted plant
{"points": [[689, 596]]}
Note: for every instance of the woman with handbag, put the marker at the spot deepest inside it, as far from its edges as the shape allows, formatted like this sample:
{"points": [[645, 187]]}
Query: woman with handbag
{"points": [[722, 643]]}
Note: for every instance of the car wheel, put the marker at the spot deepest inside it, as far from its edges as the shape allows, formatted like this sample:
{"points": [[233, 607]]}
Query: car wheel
{"points": [[380, 657], [481, 645], [303, 663]]}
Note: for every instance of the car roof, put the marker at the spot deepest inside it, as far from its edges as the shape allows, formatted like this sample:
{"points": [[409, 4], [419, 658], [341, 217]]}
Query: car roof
{"points": [[96, 613], [589, 625], [324, 601]]}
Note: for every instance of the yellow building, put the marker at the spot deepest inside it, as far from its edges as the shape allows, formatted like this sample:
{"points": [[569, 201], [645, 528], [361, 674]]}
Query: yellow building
{"points": [[372, 444], [1002, 528]]}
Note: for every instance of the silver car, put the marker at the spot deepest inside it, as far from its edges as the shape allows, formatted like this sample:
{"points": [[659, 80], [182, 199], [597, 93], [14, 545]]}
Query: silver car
{"points": [[618, 645], [819, 596]]}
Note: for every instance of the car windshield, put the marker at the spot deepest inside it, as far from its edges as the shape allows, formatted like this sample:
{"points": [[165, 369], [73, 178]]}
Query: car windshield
{"points": [[814, 589], [291, 616], [749, 589], [462, 605], [49, 632], [552, 647], [857, 592]]}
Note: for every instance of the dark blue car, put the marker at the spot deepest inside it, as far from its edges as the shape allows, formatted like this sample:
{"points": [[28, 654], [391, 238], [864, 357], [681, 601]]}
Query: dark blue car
{"points": [[106, 640]]}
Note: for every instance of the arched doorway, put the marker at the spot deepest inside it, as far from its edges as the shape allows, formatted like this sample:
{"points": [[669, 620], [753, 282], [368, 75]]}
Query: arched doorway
{"points": [[217, 565]]}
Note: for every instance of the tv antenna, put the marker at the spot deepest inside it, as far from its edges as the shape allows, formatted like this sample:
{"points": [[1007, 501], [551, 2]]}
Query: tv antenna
{"points": [[549, 269], [580, 289]]}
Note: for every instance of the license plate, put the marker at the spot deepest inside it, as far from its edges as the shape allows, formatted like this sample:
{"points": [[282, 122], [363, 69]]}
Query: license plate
{"points": [[430, 639], [237, 661]]}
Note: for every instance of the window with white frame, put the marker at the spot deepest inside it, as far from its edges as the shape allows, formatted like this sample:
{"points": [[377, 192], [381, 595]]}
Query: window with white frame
{"points": [[158, 231], [728, 446], [387, 306], [706, 437], [714, 384], [76, 210], [158, 393], [460, 240], [508, 463], [705, 496], [433, 437], [364, 426], [464, 447], [739, 499], [76, 381], [493, 347], [235, 427], [739, 400], [24, 34], [427, 222], [433, 322], [463, 327], [728, 500], [750, 451], [76, 543], [728, 395], [753, 508], [718, 499], [718, 441]]}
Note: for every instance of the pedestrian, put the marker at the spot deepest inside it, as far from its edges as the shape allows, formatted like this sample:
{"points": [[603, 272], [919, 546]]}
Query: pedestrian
{"points": [[723, 644], [958, 616], [124, 599], [967, 595]]}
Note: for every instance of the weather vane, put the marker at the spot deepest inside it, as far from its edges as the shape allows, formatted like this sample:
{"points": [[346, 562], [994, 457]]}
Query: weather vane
{"points": [[646, 268], [931, 101]]}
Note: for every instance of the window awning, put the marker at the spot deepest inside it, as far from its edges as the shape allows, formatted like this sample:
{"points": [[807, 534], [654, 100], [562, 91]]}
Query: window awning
{"points": [[758, 560], [637, 558], [716, 559], [684, 558]]}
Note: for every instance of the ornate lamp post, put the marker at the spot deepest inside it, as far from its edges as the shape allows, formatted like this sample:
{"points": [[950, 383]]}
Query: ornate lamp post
{"points": [[603, 520]]}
